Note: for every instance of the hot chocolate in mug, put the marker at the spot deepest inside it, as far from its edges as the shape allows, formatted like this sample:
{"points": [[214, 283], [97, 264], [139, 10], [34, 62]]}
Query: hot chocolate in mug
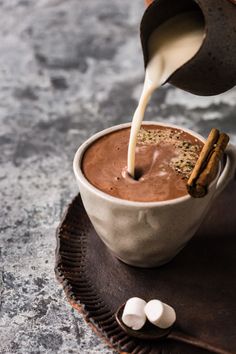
{"points": [[147, 234]]}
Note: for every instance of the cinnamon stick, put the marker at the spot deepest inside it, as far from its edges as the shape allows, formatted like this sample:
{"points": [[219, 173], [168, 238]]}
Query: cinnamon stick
{"points": [[206, 167]]}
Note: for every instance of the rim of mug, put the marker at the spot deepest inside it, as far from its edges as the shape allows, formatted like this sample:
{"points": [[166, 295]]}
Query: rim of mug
{"points": [[81, 177]]}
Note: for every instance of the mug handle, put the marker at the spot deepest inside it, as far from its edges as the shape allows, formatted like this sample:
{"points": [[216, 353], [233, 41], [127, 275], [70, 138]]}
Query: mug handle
{"points": [[229, 170]]}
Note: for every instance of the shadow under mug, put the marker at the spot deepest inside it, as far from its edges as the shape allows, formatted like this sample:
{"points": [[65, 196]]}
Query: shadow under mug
{"points": [[147, 234]]}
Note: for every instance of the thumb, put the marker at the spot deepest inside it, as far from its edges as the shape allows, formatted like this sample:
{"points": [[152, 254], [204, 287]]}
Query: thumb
{"points": [[148, 2]]}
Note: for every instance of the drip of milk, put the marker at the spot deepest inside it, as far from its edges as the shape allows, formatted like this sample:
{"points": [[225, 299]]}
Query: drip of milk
{"points": [[170, 46]]}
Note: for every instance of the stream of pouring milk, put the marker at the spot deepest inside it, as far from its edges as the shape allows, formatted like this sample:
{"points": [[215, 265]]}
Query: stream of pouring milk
{"points": [[170, 46]]}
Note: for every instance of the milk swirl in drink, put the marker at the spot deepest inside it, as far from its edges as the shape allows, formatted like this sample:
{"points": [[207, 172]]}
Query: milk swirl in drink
{"points": [[164, 161], [170, 46]]}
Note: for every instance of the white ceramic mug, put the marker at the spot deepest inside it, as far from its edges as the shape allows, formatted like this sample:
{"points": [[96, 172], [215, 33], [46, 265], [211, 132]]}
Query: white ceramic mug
{"points": [[147, 234]]}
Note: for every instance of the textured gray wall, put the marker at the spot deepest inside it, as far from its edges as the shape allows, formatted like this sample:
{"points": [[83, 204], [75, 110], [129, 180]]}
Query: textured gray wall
{"points": [[67, 70]]}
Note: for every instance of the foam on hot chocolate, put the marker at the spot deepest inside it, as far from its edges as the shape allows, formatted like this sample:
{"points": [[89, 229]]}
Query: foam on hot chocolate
{"points": [[164, 160]]}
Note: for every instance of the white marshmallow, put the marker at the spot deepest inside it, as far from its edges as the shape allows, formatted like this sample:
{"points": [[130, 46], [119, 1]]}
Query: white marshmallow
{"points": [[134, 315], [160, 314]]}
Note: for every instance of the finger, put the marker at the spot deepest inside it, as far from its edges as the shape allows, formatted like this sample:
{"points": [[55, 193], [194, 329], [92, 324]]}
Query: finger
{"points": [[148, 2]]}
